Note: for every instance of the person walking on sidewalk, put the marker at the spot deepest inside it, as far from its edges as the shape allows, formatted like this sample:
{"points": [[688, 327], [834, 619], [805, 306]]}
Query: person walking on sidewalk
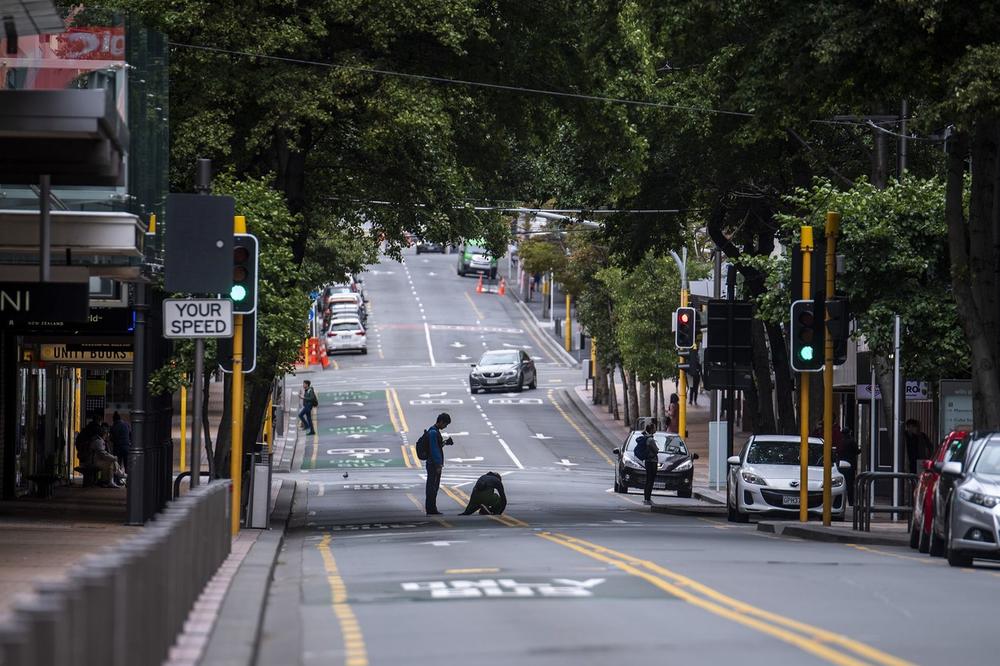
{"points": [[694, 378], [435, 462], [121, 439], [647, 451], [309, 401], [673, 413]]}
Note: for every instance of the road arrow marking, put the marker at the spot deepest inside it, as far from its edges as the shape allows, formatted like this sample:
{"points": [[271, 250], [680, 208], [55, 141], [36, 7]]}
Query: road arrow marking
{"points": [[355, 436], [341, 404], [439, 544], [434, 395], [360, 456], [456, 345], [352, 416], [566, 463], [463, 357], [539, 435], [465, 460], [432, 273]]}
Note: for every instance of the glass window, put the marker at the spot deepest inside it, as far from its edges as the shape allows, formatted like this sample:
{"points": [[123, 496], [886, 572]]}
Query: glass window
{"points": [[345, 326], [499, 358], [989, 459], [764, 452], [665, 442]]}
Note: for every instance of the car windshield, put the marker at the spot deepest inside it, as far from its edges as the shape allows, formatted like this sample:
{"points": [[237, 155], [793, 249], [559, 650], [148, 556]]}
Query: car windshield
{"points": [[667, 443], [989, 459], [499, 358], [475, 249], [764, 452], [345, 326]]}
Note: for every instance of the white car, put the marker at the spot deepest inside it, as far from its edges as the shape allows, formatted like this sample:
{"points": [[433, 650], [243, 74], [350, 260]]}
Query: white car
{"points": [[764, 478], [346, 334]]}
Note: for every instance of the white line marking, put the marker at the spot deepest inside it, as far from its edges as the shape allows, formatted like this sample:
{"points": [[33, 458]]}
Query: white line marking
{"points": [[510, 453], [430, 350]]}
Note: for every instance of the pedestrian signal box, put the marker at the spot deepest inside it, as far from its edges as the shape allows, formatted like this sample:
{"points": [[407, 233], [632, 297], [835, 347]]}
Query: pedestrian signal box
{"points": [[685, 320], [807, 336], [243, 291]]}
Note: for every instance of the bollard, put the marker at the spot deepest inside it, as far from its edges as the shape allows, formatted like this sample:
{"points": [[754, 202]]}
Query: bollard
{"points": [[43, 616], [69, 627], [16, 647], [95, 577]]}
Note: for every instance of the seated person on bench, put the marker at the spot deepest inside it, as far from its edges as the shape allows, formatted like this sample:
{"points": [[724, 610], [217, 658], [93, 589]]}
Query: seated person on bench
{"points": [[105, 461], [488, 497]]}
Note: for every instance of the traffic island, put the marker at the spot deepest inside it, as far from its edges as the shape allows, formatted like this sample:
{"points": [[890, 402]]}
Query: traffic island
{"points": [[882, 534], [692, 508]]}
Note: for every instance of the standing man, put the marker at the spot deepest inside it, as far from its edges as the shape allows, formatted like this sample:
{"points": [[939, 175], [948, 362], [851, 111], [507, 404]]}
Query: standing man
{"points": [[918, 445], [647, 451], [121, 439], [309, 401], [435, 462], [694, 378]]}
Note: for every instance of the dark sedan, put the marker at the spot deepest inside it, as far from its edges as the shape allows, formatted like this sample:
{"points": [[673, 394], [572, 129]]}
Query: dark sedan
{"points": [[503, 369], [675, 472], [428, 246]]}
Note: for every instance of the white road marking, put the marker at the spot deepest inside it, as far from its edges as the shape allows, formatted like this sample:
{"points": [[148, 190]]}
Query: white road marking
{"points": [[438, 544], [430, 350], [510, 453], [539, 435], [566, 463]]}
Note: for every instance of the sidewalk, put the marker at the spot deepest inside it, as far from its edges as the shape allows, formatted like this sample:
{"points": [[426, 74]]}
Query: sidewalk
{"points": [[537, 308]]}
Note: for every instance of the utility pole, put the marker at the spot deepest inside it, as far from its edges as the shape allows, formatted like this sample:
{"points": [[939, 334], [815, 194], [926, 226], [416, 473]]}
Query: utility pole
{"points": [[832, 231], [236, 448], [203, 186], [681, 262], [806, 243]]}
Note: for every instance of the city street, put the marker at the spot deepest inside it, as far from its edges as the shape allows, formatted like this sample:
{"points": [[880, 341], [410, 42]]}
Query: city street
{"points": [[572, 573]]}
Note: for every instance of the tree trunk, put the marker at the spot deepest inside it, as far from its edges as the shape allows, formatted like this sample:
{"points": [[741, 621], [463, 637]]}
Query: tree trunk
{"points": [[206, 426], [973, 277], [613, 395], [784, 383], [222, 437], [632, 397], [751, 414], [643, 388], [763, 400]]}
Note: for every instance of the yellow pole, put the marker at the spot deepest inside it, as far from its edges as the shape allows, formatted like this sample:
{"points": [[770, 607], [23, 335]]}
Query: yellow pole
{"points": [[807, 248], [236, 450], [78, 409], [184, 420], [269, 423], [305, 352], [682, 385], [593, 360], [832, 230], [569, 325]]}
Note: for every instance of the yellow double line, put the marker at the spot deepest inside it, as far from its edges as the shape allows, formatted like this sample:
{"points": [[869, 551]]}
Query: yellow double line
{"points": [[396, 415], [354, 642], [579, 431], [410, 458], [827, 645]]}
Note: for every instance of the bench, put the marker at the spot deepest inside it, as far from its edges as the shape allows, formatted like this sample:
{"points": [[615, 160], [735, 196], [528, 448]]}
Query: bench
{"points": [[90, 474], [43, 484]]}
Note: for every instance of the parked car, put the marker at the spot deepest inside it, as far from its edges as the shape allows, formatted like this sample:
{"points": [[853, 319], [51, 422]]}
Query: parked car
{"points": [[428, 246], [474, 258], [973, 512], [764, 478], [675, 470], [503, 369], [964, 454], [349, 305], [346, 334], [923, 494]]}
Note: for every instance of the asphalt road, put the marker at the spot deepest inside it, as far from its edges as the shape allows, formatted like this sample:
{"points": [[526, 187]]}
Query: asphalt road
{"points": [[572, 573]]}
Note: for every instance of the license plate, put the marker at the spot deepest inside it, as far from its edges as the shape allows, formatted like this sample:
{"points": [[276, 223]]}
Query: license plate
{"points": [[492, 381], [790, 500]]}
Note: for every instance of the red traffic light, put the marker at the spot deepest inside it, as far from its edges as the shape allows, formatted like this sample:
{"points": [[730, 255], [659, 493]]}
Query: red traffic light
{"points": [[684, 317]]}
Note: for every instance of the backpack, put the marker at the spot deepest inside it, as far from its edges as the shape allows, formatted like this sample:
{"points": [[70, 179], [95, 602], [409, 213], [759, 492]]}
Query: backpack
{"points": [[640, 448], [423, 446]]}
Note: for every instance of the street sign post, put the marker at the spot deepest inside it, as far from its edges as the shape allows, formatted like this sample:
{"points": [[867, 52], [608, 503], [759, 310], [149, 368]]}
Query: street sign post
{"points": [[197, 318]]}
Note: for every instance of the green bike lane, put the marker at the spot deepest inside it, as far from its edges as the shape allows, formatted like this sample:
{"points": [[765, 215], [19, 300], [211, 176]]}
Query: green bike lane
{"points": [[354, 430]]}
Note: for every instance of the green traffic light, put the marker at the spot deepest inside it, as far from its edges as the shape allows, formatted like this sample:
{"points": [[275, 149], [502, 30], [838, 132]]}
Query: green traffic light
{"points": [[239, 292], [806, 353]]}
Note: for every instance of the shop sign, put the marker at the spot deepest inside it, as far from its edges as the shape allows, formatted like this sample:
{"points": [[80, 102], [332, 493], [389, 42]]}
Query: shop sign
{"points": [[80, 354], [23, 302]]}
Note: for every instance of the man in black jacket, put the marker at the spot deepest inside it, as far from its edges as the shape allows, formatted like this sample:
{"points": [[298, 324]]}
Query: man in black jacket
{"points": [[488, 497]]}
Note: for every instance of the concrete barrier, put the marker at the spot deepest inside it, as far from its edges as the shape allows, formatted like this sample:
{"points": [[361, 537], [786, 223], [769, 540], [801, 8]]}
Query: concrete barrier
{"points": [[124, 607]]}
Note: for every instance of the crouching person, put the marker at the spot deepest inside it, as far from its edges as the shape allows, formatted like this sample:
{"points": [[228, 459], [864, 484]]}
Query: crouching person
{"points": [[488, 497]]}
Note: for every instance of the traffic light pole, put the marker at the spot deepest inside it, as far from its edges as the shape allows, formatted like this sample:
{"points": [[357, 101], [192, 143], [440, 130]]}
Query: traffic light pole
{"points": [[832, 230], [681, 375], [807, 250], [236, 449]]}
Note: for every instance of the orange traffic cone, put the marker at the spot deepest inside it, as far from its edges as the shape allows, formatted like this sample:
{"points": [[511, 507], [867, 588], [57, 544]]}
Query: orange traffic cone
{"points": [[503, 287], [479, 285], [324, 360]]}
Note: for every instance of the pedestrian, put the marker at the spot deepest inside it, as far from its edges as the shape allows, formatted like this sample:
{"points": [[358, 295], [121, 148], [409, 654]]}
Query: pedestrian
{"points": [[673, 413], [647, 451], [488, 497], [435, 462], [694, 378], [849, 452], [918, 445], [121, 439], [309, 401], [113, 474]]}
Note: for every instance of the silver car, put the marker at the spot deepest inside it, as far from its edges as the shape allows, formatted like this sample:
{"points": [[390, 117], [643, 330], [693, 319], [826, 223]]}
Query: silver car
{"points": [[764, 478], [972, 524]]}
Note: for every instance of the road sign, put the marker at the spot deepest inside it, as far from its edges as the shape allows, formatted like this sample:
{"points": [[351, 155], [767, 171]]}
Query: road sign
{"points": [[197, 318], [199, 243]]}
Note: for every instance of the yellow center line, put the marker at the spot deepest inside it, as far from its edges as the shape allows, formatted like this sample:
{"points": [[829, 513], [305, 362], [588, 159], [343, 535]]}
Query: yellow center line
{"points": [[354, 643], [875, 551], [463, 499], [399, 411], [475, 308], [480, 570], [406, 456], [814, 639], [441, 521], [537, 341], [389, 406], [336, 366], [569, 420]]}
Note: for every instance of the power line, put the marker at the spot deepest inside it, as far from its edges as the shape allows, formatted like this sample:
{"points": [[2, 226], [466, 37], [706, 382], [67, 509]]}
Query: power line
{"points": [[465, 82]]}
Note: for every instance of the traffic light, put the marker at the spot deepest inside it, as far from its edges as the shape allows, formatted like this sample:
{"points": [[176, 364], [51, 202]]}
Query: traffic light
{"points": [[807, 336], [685, 320], [684, 362], [838, 327], [243, 291]]}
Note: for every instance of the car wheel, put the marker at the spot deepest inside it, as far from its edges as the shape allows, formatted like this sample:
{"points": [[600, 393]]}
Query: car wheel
{"points": [[619, 488], [364, 351], [924, 543], [520, 384], [684, 492], [730, 512], [915, 535], [460, 272], [493, 274], [473, 390], [534, 381], [418, 250], [839, 517], [936, 546], [956, 558]]}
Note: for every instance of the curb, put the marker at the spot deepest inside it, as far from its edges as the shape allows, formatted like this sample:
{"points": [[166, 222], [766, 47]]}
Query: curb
{"points": [[688, 510], [595, 425], [705, 497], [815, 534], [236, 633]]}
